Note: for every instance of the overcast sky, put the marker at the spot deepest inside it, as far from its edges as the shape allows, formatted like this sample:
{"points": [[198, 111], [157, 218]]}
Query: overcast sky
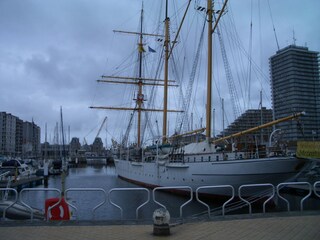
{"points": [[52, 51]]}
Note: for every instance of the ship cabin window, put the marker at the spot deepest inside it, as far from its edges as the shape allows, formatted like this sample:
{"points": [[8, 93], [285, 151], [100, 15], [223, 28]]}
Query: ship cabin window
{"points": [[188, 159], [194, 159], [217, 157], [209, 158], [240, 156], [201, 159]]}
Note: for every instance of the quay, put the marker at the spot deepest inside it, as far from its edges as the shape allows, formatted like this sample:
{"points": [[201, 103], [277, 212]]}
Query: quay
{"points": [[23, 183], [280, 226]]}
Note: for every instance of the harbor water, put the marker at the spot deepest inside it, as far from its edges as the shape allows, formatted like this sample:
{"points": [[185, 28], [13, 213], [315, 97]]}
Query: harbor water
{"points": [[103, 177]]}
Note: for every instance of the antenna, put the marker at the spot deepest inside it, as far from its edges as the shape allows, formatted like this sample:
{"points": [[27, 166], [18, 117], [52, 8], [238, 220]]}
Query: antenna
{"points": [[294, 37]]}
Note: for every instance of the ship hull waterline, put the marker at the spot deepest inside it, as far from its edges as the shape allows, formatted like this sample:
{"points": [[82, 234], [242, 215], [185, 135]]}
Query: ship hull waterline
{"points": [[198, 174]]}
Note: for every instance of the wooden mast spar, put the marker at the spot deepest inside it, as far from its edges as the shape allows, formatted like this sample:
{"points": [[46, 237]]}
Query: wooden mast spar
{"points": [[293, 116], [209, 73]]}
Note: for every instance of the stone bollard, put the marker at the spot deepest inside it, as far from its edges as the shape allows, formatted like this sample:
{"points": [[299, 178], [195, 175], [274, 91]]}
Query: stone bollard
{"points": [[161, 219]]}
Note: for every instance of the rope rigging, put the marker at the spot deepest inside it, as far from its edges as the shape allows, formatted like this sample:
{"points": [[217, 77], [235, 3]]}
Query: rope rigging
{"points": [[184, 119]]}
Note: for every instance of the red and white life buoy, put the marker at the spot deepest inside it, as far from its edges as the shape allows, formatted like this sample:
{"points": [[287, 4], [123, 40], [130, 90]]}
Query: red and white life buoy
{"points": [[59, 212]]}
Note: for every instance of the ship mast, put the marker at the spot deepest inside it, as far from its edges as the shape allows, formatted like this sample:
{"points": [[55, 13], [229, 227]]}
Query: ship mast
{"points": [[166, 60], [140, 97], [140, 81], [209, 73]]}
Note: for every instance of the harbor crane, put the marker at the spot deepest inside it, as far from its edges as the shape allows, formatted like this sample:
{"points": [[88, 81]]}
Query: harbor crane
{"points": [[102, 124]]}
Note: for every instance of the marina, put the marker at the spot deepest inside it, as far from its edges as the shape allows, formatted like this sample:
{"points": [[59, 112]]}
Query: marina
{"points": [[168, 166]]}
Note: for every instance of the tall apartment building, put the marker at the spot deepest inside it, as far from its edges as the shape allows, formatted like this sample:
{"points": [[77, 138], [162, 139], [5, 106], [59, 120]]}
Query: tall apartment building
{"points": [[7, 134], [18, 138], [31, 146], [295, 87]]}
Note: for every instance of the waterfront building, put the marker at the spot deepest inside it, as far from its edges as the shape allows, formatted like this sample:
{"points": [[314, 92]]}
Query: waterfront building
{"points": [[7, 134], [97, 146], [31, 140], [75, 146], [76, 154], [18, 138], [249, 119], [295, 87], [54, 151]]}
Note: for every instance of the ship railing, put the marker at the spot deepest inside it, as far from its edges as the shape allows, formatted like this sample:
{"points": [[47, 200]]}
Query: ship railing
{"points": [[214, 187], [85, 190], [246, 186], [15, 200], [39, 190], [177, 188], [294, 185], [128, 189]]}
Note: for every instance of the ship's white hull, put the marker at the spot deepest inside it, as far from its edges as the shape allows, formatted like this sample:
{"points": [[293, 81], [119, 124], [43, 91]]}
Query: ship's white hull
{"points": [[196, 174]]}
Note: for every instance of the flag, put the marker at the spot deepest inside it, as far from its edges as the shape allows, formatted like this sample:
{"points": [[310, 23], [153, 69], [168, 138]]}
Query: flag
{"points": [[140, 48], [151, 49]]}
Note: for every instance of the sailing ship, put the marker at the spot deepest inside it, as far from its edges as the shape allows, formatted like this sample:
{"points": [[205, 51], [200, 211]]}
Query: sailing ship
{"points": [[170, 162]]}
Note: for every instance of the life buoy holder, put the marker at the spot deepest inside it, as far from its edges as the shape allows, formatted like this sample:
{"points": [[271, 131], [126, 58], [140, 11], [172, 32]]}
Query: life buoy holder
{"points": [[59, 212]]}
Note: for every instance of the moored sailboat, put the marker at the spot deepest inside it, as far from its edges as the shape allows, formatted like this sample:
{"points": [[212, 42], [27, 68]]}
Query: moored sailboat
{"points": [[198, 163]]}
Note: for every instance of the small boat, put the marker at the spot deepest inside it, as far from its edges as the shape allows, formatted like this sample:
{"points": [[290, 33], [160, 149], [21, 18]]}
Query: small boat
{"points": [[17, 168], [18, 211], [56, 168]]}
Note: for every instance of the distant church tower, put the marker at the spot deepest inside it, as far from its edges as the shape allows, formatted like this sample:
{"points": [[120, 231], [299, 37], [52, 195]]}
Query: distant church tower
{"points": [[295, 87]]}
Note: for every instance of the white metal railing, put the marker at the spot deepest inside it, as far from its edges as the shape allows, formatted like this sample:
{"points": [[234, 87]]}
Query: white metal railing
{"points": [[293, 184], [172, 188], [7, 190], [129, 189], [86, 190], [39, 190], [255, 186], [214, 187], [310, 188], [315, 188]]}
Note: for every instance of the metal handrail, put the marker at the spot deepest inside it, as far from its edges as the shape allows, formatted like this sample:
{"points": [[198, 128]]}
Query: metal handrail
{"points": [[294, 183], [128, 189], [217, 186], [14, 202], [173, 187], [89, 190], [314, 188], [38, 190], [256, 185]]}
